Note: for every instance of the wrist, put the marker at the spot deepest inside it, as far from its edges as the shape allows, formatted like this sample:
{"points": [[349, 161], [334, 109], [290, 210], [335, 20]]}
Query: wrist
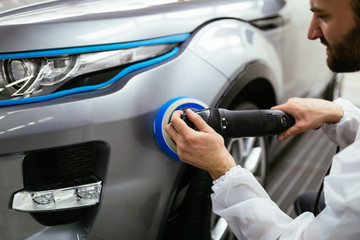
{"points": [[337, 113], [218, 172]]}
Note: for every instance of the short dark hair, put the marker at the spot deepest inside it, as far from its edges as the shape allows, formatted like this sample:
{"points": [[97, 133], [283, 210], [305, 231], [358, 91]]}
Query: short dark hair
{"points": [[356, 8]]}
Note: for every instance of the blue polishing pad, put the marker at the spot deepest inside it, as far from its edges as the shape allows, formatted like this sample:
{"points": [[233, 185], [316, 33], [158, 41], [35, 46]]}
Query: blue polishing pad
{"points": [[163, 118]]}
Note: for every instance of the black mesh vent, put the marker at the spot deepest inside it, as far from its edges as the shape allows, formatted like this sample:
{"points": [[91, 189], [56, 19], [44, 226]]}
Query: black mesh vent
{"points": [[44, 169], [59, 217]]}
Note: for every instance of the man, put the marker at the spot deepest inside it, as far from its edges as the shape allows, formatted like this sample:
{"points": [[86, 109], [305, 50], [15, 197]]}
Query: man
{"points": [[237, 195]]}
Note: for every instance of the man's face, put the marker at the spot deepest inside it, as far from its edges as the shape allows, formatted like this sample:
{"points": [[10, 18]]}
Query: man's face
{"points": [[334, 24]]}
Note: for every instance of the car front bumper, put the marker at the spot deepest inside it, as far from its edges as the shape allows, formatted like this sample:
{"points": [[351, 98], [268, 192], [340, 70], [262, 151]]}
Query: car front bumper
{"points": [[138, 178]]}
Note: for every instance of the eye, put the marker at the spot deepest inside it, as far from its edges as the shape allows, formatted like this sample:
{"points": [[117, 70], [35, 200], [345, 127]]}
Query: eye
{"points": [[321, 16]]}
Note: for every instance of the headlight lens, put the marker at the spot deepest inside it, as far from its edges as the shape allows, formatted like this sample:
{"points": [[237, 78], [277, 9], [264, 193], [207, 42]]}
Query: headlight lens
{"points": [[28, 77]]}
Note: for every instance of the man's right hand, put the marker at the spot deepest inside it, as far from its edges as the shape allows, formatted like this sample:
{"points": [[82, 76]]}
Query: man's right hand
{"points": [[309, 114], [204, 148]]}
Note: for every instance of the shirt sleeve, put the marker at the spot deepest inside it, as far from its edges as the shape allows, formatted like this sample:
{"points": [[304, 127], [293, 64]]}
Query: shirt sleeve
{"points": [[249, 211], [344, 132]]}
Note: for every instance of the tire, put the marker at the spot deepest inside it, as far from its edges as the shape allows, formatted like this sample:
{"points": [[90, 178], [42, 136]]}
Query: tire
{"points": [[193, 218], [250, 152]]}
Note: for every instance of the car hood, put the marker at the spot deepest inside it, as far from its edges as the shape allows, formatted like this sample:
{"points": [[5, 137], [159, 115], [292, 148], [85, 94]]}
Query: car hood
{"points": [[76, 23]]}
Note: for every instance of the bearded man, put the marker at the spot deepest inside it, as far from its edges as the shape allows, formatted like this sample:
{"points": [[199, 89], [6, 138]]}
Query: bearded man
{"points": [[240, 199]]}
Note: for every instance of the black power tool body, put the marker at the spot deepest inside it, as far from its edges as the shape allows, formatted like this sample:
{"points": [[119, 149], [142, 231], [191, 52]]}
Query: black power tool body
{"points": [[243, 123]]}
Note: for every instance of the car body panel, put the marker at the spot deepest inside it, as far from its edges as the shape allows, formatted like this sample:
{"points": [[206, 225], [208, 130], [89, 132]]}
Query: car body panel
{"points": [[228, 44], [125, 122], [82, 22], [139, 179]]}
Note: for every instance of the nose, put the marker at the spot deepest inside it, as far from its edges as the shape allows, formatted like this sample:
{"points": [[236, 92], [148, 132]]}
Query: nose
{"points": [[314, 31]]}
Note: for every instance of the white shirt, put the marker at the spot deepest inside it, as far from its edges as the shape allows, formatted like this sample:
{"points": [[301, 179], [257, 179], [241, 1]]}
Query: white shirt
{"points": [[247, 208]]}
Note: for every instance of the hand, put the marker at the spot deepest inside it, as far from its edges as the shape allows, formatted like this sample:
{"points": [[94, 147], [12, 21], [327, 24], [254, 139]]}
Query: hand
{"points": [[204, 148], [309, 113]]}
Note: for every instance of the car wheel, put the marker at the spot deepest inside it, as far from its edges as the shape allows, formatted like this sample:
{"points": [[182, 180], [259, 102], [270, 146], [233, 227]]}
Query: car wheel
{"points": [[249, 152]]}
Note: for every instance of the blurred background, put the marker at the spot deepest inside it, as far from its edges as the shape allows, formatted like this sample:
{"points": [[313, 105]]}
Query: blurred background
{"points": [[351, 88], [294, 170]]}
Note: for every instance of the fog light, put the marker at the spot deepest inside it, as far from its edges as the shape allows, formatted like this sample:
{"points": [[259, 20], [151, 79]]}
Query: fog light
{"points": [[58, 199], [43, 197], [88, 193]]}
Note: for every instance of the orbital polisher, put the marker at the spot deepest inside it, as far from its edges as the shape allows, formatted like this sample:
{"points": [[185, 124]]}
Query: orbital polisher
{"points": [[228, 123], [244, 123]]}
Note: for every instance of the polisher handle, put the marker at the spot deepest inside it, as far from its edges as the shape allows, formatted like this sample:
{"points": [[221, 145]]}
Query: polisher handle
{"points": [[244, 123]]}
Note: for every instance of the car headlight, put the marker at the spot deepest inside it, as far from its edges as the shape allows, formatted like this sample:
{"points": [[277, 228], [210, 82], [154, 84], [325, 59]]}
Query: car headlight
{"points": [[38, 76]]}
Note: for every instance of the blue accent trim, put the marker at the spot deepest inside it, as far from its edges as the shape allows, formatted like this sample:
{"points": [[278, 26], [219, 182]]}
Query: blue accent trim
{"points": [[121, 74], [159, 119], [163, 40]]}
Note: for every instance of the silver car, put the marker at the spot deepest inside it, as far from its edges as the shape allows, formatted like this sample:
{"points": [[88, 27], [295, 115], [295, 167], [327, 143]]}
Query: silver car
{"points": [[82, 82]]}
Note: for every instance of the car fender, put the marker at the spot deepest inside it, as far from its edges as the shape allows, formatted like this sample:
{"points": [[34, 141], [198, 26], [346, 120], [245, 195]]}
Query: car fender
{"points": [[231, 46]]}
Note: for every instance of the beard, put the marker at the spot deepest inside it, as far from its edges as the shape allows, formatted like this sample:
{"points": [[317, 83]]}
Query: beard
{"points": [[344, 56]]}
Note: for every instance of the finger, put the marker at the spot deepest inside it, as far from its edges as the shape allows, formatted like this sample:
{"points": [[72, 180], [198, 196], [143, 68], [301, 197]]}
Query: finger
{"points": [[278, 107], [180, 126], [171, 131], [177, 114], [199, 123], [284, 135], [285, 108], [289, 132]]}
